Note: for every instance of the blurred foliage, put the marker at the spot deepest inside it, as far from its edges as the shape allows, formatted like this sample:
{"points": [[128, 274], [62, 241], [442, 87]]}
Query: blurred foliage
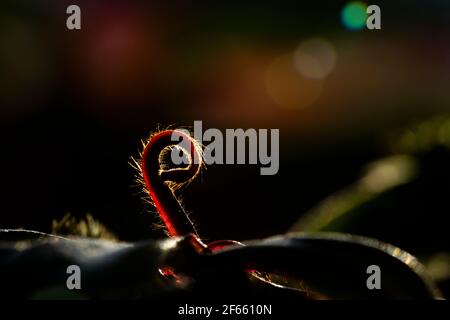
{"points": [[82, 227], [402, 199], [422, 136], [83, 96]]}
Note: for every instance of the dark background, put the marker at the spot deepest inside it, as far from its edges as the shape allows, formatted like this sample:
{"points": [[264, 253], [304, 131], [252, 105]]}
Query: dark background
{"points": [[75, 105]]}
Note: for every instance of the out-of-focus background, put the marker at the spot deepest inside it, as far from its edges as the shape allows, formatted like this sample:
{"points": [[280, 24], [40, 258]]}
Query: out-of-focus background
{"points": [[364, 134]]}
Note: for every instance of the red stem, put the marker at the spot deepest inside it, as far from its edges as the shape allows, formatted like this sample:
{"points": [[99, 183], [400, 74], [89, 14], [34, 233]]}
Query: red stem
{"points": [[157, 180]]}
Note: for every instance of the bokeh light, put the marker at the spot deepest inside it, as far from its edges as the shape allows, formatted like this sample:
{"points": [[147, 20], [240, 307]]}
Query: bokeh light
{"points": [[119, 59], [315, 58], [354, 15], [288, 88], [334, 92]]}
